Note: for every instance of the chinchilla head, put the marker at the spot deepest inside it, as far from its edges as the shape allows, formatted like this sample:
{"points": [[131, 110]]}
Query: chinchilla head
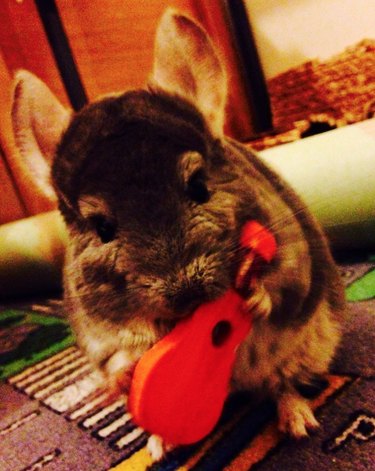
{"points": [[152, 202], [151, 205]]}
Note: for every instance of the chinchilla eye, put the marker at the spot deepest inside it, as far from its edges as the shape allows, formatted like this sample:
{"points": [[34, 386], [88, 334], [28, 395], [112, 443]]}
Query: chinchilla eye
{"points": [[197, 188], [105, 229]]}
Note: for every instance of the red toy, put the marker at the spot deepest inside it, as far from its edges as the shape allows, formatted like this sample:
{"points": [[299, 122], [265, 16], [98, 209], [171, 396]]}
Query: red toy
{"points": [[180, 385]]}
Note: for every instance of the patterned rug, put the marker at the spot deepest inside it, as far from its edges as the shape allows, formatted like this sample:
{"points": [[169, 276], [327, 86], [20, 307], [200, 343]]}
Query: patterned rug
{"points": [[53, 415]]}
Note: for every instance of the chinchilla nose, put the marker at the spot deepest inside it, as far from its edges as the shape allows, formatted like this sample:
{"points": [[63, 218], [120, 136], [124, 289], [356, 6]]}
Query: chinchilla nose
{"points": [[187, 298]]}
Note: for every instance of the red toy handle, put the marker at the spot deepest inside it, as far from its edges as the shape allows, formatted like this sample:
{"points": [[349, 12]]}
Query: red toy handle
{"points": [[180, 385]]}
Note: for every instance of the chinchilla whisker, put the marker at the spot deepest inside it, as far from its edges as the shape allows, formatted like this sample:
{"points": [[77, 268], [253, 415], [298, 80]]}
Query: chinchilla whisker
{"points": [[88, 296], [314, 206], [314, 246]]}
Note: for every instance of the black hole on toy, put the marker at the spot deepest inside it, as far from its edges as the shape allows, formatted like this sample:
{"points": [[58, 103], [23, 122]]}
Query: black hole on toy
{"points": [[220, 333]]}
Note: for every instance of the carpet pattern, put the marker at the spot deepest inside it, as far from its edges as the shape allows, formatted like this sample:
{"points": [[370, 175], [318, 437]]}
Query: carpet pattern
{"points": [[55, 416]]}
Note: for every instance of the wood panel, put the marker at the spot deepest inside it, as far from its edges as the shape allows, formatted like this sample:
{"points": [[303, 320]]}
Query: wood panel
{"points": [[112, 42], [24, 45]]}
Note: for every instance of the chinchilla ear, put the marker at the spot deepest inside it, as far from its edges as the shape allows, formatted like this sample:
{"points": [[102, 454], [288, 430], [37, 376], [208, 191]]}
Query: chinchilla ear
{"points": [[39, 120], [186, 64]]}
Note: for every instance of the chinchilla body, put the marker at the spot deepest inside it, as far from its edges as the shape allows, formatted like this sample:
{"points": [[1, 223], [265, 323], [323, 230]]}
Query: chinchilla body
{"points": [[155, 196]]}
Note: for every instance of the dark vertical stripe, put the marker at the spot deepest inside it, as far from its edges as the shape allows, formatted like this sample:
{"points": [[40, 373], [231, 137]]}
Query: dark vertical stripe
{"points": [[255, 83], [223, 452], [62, 52], [236, 404]]}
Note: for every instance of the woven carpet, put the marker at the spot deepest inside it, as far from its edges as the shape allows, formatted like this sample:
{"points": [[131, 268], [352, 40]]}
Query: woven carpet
{"points": [[53, 414]]}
